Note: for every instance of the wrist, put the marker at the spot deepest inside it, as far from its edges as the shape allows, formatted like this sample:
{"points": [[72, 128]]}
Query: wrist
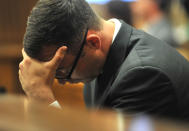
{"points": [[44, 95]]}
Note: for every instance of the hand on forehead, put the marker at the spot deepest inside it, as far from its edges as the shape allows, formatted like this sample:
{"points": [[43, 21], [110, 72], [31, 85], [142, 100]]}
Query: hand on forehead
{"points": [[48, 52], [54, 59]]}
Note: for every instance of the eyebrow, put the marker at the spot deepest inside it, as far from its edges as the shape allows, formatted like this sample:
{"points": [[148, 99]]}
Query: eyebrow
{"points": [[60, 68]]}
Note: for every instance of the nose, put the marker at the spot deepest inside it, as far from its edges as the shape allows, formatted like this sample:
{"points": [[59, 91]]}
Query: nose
{"points": [[61, 81]]}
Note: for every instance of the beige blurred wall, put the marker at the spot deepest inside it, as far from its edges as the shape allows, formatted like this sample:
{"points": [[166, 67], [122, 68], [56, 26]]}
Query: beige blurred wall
{"points": [[13, 17]]}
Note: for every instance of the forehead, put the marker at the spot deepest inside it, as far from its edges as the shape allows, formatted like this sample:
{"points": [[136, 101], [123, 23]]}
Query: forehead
{"points": [[47, 52]]}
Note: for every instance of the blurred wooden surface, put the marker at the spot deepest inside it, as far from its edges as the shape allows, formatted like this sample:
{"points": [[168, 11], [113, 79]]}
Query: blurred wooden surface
{"points": [[19, 114]]}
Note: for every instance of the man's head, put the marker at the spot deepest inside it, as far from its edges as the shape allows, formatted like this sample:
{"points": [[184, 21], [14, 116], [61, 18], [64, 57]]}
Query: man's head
{"points": [[54, 23]]}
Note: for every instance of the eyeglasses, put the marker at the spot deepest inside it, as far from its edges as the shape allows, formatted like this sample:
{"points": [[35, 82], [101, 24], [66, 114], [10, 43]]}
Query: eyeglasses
{"points": [[64, 77]]}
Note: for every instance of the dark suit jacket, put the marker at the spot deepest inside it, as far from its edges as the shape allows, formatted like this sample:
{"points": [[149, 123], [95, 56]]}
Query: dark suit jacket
{"points": [[142, 75]]}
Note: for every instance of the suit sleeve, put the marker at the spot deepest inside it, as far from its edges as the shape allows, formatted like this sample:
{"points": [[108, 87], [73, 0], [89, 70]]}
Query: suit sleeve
{"points": [[144, 90]]}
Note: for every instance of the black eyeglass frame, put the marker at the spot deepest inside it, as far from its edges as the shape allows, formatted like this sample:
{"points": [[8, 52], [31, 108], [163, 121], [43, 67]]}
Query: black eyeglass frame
{"points": [[76, 59]]}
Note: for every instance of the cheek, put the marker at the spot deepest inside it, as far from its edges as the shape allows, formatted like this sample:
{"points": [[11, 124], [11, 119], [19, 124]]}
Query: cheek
{"points": [[80, 71], [68, 60], [83, 69]]}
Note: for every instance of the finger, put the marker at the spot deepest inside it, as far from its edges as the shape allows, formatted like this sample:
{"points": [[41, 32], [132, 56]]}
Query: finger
{"points": [[21, 69], [24, 63], [20, 75], [24, 54], [20, 78], [21, 65], [58, 57]]}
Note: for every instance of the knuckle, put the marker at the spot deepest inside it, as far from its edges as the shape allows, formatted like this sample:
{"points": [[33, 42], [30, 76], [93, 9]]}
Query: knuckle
{"points": [[21, 66], [27, 61]]}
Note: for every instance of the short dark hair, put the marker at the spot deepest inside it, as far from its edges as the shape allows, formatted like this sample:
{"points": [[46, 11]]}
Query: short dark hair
{"points": [[54, 22]]}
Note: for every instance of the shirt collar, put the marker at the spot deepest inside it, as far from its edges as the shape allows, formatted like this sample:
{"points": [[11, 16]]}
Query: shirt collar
{"points": [[117, 54], [117, 27]]}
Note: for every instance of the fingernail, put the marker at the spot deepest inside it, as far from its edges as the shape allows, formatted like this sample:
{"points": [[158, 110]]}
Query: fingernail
{"points": [[64, 49]]}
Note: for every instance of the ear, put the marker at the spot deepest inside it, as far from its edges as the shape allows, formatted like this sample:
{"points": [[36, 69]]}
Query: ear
{"points": [[93, 41]]}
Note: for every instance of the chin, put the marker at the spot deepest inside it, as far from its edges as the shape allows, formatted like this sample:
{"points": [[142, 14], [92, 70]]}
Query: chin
{"points": [[80, 80], [88, 80], [75, 81]]}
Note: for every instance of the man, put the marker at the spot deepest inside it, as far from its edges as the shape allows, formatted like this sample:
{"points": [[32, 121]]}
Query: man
{"points": [[122, 68], [155, 15]]}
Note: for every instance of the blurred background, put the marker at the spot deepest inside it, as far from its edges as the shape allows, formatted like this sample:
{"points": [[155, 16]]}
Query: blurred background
{"points": [[164, 19]]}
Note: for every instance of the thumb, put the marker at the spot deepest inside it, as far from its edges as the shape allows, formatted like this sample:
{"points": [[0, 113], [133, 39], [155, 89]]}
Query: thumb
{"points": [[58, 57], [24, 54]]}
